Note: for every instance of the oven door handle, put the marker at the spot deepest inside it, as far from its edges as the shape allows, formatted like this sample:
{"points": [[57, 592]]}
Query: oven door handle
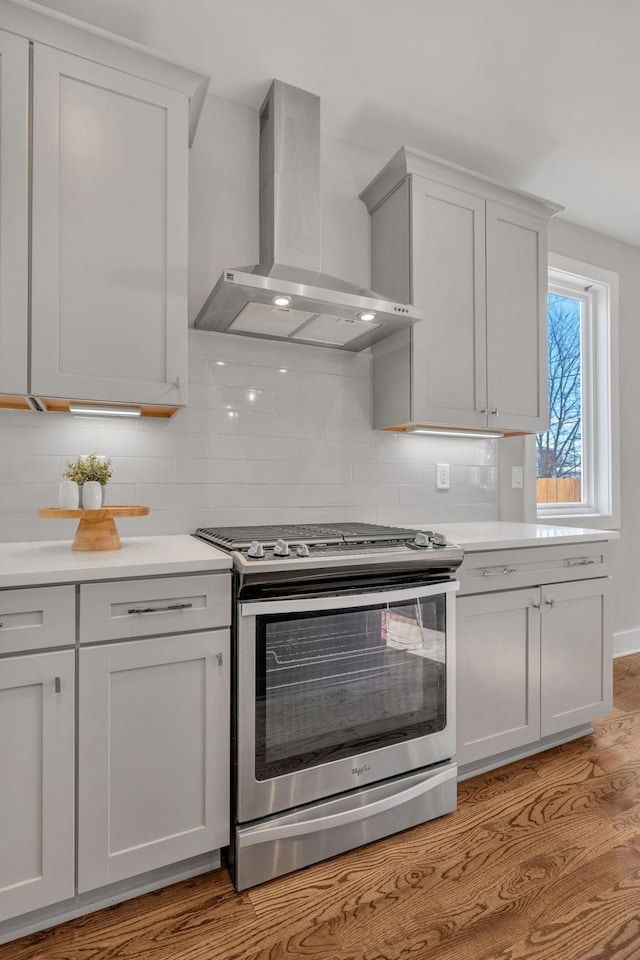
{"points": [[344, 602], [359, 811]]}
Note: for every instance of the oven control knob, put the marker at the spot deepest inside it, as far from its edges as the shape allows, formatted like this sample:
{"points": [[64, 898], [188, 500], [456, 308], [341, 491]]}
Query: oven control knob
{"points": [[422, 539], [281, 549], [302, 550], [438, 539], [256, 550]]}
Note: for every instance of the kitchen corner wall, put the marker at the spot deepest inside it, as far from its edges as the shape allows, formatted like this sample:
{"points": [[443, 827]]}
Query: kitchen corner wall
{"points": [[273, 433]]}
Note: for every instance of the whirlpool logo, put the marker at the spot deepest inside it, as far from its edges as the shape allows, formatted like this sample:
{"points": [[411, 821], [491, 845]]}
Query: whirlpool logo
{"points": [[358, 771]]}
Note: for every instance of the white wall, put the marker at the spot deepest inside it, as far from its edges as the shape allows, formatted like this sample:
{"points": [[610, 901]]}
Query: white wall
{"points": [[254, 444], [581, 244]]}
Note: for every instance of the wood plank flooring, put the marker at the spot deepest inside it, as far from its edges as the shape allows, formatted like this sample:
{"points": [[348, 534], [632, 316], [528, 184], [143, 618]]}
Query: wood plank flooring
{"points": [[540, 862]]}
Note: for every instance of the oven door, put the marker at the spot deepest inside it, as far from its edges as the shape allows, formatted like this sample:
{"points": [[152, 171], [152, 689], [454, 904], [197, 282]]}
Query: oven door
{"points": [[341, 691]]}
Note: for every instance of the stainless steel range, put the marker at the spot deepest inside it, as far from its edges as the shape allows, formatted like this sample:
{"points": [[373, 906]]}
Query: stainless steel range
{"points": [[344, 688]]}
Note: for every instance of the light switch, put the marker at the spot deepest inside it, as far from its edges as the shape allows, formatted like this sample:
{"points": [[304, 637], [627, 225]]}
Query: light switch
{"points": [[517, 478], [442, 476]]}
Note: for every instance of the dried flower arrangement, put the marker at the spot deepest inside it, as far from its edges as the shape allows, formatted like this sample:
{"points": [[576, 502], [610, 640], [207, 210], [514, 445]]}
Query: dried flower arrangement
{"points": [[87, 467]]}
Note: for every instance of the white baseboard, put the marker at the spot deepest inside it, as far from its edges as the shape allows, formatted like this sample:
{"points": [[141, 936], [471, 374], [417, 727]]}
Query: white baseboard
{"points": [[625, 642], [84, 903]]}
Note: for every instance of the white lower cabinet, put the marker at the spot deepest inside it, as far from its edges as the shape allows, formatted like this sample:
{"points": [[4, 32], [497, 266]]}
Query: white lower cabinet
{"points": [[577, 655], [37, 753], [531, 663], [498, 686], [153, 754]]}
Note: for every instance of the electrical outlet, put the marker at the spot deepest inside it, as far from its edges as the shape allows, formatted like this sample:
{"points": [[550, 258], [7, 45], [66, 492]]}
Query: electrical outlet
{"points": [[442, 476], [517, 478]]}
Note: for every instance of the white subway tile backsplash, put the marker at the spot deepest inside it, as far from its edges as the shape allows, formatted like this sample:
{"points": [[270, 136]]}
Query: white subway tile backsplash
{"points": [[337, 451], [280, 495], [314, 405], [212, 346], [413, 516], [29, 469], [252, 376], [288, 471], [333, 385], [359, 493], [274, 433], [198, 370], [176, 496], [398, 473], [278, 425], [222, 471], [251, 448]]}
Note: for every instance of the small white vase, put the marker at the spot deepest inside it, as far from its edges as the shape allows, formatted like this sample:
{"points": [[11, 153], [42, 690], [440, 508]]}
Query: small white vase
{"points": [[68, 495], [91, 495]]}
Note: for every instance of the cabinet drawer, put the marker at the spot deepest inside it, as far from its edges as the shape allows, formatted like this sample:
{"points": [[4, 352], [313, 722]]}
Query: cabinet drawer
{"points": [[532, 566], [143, 608], [36, 618]]}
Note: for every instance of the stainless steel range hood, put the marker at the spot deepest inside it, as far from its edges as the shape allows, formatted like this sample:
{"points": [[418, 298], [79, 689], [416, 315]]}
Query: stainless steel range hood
{"points": [[286, 296]]}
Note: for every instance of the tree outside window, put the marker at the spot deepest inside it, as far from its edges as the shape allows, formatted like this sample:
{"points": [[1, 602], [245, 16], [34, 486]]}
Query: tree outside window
{"points": [[559, 451]]}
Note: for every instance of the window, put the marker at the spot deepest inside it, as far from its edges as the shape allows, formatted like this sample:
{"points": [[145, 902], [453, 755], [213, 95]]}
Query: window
{"points": [[575, 456]]}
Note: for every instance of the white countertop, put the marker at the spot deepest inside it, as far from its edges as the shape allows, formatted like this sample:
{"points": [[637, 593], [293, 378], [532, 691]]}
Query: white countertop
{"points": [[53, 561], [501, 535]]}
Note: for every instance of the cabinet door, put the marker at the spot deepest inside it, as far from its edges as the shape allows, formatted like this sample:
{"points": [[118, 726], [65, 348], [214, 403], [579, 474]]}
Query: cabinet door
{"points": [[153, 754], [14, 207], [109, 272], [37, 749], [577, 654], [516, 320], [448, 279], [498, 664]]}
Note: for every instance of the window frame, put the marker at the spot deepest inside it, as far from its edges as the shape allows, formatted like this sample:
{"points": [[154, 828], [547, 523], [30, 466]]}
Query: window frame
{"points": [[597, 289]]}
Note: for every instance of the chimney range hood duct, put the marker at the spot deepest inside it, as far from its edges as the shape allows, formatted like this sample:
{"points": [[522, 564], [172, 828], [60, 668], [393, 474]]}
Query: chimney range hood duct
{"points": [[286, 296]]}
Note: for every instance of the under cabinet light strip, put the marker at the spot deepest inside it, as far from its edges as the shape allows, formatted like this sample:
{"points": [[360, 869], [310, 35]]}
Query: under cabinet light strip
{"points": [[89, 410], [476, 434]]}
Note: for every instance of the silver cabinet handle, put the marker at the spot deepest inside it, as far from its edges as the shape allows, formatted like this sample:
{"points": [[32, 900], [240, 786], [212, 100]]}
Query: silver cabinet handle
{"points": [[172, 606], [549, 603], [582, 562], [220, 659], [483, 410], [57, 684], [495, 412], [1, 624], [499, 573], [536, 606]]}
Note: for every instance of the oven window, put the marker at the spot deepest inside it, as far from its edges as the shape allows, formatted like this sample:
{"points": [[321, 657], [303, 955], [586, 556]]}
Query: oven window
{"points": [[338, 683]]}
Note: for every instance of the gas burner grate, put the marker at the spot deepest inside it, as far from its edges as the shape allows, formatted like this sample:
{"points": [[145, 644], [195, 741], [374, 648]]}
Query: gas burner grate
{"points": [[231, 538]]}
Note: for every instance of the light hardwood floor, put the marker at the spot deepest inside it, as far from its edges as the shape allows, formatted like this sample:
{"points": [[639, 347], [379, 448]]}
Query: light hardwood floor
{"points": [[541, 861]]}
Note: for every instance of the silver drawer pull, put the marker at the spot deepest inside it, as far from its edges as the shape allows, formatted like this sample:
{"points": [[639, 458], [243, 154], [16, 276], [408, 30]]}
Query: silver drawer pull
{"points": [[582, 562], [499, 573], [550, 602], [57, 684], [172, 606], [1, 624]]}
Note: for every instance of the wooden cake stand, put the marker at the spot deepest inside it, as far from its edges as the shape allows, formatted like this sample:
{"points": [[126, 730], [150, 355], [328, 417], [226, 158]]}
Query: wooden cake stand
{"points": [[96, 530]]}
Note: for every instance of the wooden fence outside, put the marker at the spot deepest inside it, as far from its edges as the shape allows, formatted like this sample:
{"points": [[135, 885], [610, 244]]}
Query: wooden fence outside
{"points": [[559, 489]]}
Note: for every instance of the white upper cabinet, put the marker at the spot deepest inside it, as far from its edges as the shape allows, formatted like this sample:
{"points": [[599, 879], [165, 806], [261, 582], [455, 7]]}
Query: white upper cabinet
{"points": [[14, 212], [516, 275], [111, 125], [472, 255], [109, 281]]}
